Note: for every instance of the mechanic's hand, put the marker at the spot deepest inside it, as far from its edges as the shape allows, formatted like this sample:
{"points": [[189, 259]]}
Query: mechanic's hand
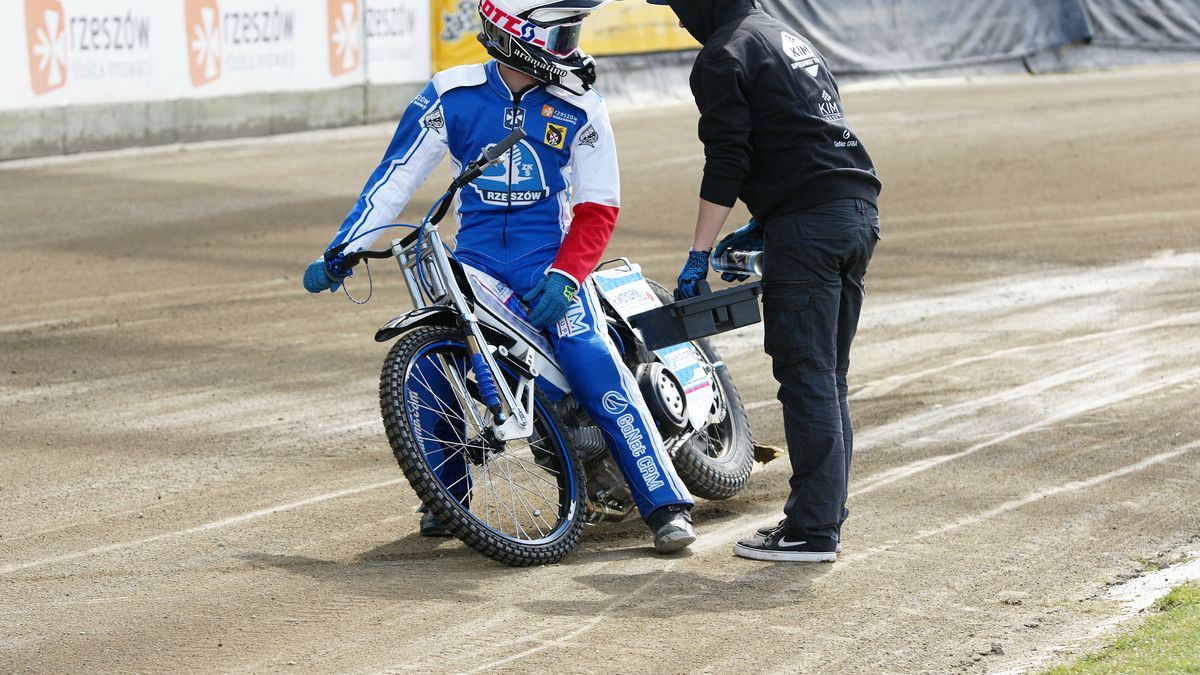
{"points": [[550, 299], [691, 277], [319, 277], [749, 237]]}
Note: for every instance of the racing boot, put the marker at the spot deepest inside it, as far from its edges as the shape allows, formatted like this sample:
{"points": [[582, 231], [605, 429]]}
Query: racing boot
{"points": [[431, 526], [672, 528]]}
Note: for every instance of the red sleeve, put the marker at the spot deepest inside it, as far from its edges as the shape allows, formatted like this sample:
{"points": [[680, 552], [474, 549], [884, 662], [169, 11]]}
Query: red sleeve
{"points": [[584, 244]]}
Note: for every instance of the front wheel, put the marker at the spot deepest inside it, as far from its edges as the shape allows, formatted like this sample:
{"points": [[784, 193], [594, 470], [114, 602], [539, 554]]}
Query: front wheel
{"points": [[716, 462], [518, 502]]}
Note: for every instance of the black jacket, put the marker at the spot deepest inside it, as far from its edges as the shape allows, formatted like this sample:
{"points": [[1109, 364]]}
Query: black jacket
{"points": [[770, 114]]}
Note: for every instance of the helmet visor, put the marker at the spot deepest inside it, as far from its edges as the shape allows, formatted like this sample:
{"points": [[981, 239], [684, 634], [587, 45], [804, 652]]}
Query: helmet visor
{"points": [[563, 40]]}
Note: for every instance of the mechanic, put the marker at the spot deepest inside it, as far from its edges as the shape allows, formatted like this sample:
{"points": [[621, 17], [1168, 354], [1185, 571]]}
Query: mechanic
{"points": [[540, 225], [774, 135]]}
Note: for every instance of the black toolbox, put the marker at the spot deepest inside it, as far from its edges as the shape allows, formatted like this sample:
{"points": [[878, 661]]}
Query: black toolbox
{"points": [[701, 316]]}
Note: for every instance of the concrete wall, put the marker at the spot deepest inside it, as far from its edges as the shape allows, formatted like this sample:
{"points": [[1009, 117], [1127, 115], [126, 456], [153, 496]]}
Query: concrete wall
{"points": [[72, 129]]}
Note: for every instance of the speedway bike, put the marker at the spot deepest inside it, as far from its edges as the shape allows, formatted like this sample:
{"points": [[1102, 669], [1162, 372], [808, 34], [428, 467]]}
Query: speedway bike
{"points": [[482, 420]]}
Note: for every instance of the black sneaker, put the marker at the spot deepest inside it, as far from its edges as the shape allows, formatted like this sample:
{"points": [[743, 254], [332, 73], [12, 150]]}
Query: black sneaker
{"points": [[672, 528], [783, 547], [432, 527], [768, 529]]}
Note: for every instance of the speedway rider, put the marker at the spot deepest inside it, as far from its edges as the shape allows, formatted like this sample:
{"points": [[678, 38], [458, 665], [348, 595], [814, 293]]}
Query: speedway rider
{"points": [[541, 224]]}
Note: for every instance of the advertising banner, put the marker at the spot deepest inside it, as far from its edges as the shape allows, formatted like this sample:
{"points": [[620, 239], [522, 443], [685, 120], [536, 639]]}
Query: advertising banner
{"points": [[66, 52], [634, 28], [58, 51], [455, 23], [243, 46], [617, 28], [398, 41]]}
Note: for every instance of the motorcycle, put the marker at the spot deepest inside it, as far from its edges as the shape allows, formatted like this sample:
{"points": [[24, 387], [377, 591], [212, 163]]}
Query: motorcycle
{"points": [[482, 420]]}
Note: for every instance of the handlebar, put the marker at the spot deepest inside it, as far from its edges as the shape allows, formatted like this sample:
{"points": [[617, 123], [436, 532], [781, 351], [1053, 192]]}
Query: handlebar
{"points": [[475, 169], [490, 156]]}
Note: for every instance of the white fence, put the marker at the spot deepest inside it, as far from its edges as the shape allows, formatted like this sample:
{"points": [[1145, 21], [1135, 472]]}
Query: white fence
{"points": [[79, 52]]}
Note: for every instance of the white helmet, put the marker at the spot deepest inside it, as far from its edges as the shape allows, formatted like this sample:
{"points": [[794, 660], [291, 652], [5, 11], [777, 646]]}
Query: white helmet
{"points": [[540, 38]]}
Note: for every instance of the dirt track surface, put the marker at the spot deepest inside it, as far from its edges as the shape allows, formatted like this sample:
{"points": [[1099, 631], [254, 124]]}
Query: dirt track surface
{"points": [[195, 475]]}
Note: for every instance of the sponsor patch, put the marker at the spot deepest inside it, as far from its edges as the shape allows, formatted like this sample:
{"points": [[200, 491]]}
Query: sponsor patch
{"points": [[829, 108], [615, 403], [575, 320], [802, 55], [555, 136]]}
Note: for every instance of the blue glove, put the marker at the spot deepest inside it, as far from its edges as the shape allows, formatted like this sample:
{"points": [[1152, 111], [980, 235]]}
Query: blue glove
{"points": [[749, 237], [317, 277], [550, 299], [691, 278]]}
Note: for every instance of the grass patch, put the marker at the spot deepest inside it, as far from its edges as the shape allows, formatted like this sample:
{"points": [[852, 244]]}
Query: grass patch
{"points": [[1168, 642]]}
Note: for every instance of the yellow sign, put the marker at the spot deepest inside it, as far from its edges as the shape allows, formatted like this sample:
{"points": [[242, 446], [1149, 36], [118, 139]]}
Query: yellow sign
{"points": [[455, 25], [624, 27], [634, 27]]}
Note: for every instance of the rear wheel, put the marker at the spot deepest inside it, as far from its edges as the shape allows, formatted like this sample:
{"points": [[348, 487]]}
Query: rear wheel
{"points": [[716, 463], [518, 502]]}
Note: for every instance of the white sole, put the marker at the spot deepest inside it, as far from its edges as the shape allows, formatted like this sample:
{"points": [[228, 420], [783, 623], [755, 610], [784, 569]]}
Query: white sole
{"points": [[783, 556]]}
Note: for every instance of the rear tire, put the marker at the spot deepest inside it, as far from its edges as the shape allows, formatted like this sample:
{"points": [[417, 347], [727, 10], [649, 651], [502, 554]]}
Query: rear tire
{"points": [[506, 489], [716, 464]]}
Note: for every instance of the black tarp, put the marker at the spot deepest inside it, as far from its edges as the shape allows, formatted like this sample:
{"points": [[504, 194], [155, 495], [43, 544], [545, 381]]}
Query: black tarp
{"points": [[890, 36]]}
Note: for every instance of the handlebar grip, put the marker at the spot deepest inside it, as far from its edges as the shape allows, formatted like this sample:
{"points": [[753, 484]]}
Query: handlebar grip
{"points": [[352, 259], [504, 146]]}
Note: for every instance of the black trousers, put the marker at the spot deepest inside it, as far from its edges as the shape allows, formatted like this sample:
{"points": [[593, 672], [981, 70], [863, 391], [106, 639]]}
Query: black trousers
{"points": [[815, 262]]}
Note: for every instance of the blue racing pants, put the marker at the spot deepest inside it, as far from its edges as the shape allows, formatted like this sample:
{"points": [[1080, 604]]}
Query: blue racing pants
{"points": [[601, 382]]}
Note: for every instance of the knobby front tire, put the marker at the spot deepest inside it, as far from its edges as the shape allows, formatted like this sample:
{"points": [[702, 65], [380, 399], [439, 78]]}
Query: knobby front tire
{"points": [[518, 502]]}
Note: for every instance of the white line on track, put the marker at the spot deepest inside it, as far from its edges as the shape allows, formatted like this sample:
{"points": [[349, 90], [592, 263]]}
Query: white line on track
{"points": [[206, 527], [893, 475], [1012, 505], [719, 537]]}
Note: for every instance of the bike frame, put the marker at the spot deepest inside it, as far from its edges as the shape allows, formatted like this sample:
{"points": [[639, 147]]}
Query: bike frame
{"points": [[429, 272]]}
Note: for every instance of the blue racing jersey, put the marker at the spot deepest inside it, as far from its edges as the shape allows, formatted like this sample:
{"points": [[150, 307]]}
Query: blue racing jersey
{"points": [[555, 195]]}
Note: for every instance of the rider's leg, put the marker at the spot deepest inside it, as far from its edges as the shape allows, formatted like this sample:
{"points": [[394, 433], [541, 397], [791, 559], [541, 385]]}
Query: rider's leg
{"points": [[443, 431], [607, 391]]}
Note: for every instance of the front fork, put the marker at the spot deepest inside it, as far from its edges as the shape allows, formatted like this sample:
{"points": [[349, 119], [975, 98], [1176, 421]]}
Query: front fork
{"points": [[511, 413]]}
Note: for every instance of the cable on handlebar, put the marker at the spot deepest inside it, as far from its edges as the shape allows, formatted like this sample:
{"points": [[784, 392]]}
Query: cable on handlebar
{"points": [[370, 286]]}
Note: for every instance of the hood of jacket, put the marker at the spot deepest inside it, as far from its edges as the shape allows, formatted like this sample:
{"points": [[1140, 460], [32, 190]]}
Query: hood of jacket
{"points": [[701, 18]]}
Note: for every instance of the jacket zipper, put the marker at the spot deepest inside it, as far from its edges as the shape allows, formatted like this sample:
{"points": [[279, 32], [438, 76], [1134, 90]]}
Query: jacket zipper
{"points": [[516, 106]]}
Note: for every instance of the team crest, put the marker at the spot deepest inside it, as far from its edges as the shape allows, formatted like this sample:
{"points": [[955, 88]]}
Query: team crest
{"points": [[589, 137], [516, 180], [556, 136], [434, 120], [514, 118]]}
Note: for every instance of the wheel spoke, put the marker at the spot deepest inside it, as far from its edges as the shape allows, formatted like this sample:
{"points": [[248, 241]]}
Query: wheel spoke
{"points": [[514, 489]]}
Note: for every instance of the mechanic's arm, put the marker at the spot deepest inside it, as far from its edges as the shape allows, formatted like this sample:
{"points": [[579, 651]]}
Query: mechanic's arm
{"points": [[709, 221], [724, 130], [595, 202]]}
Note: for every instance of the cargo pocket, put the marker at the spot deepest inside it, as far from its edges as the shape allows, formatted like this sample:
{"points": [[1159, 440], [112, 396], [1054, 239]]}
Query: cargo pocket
{"points": [[787, 307]]}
